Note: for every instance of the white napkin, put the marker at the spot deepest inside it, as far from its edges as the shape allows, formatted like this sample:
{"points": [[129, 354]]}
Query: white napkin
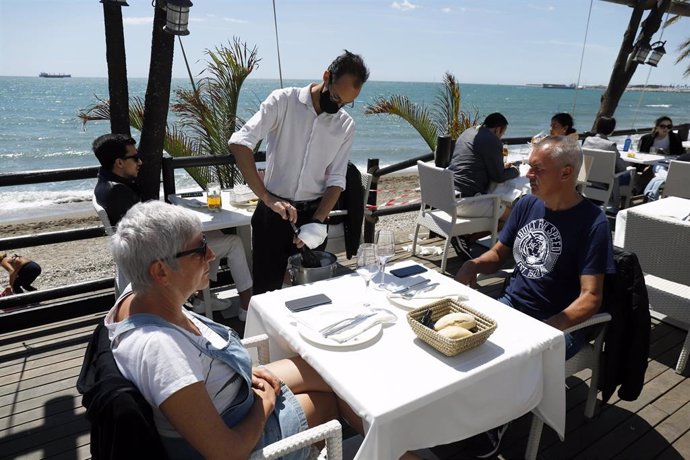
{"points": [[313, 234], [316, 321], [187, 202], [399, 285]]}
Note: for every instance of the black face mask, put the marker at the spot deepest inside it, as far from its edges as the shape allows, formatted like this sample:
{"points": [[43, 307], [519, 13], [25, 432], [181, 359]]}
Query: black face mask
{"points": [[327, 105]]}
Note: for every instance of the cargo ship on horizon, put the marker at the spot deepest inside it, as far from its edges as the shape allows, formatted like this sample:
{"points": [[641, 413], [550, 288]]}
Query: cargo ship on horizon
{"points": [[54, 75]]}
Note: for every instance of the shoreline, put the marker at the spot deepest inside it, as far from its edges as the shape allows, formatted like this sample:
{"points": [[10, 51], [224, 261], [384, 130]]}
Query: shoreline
{"points": [[88, 260]]}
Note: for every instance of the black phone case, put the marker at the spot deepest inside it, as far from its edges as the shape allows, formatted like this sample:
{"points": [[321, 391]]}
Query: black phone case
{"points": [[305, 303], [408, 271]]}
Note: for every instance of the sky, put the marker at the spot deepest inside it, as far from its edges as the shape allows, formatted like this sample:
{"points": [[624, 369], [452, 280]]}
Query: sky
{"points": [[479, 41]]}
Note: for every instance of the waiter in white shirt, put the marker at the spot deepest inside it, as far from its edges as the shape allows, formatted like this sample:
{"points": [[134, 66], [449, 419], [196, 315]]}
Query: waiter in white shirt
{"points": [[309, 140]]}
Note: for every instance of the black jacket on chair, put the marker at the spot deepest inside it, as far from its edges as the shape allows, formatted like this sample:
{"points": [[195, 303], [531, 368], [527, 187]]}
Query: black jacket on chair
{"points": [[121, 420], [626, 345], [352, 199]]}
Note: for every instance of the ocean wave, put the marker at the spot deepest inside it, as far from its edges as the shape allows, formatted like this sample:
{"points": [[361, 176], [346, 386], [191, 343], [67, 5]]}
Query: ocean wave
{"points": [[666, 106], [67, 153], [11, 155], [13, 201]]}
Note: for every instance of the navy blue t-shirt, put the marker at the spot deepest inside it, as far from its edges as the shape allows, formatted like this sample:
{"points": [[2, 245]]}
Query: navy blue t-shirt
{"points": [[551, 250]]}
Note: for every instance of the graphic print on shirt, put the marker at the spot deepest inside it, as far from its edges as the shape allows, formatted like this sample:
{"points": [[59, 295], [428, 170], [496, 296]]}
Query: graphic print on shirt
{"points": [[537, 248]]}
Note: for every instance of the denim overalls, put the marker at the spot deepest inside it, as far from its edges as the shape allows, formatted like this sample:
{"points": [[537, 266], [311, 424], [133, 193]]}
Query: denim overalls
{"points": [[288, 417]]}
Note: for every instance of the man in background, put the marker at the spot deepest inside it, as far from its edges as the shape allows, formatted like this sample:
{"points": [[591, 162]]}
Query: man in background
{"points": [[476, 162], [116, 191]]}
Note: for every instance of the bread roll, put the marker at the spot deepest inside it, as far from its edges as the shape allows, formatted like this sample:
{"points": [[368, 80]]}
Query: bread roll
{"points": [[454, 332], [455, 319]]}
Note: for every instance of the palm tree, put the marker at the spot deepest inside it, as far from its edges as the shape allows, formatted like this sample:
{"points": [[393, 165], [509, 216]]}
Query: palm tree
{"points": [[207, 112], [684, 50], [445, 118]]}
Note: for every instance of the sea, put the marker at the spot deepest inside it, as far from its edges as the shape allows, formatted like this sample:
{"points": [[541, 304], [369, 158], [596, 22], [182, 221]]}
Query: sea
{"points": [[40, 129]]}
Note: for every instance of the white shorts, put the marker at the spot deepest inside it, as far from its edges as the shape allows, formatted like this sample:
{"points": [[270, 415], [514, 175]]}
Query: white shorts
{"points": [[229, 246], [478, 208]]}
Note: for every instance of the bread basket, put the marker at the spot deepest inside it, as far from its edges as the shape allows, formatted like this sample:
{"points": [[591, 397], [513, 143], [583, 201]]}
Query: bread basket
{"points": [[450, 347]]}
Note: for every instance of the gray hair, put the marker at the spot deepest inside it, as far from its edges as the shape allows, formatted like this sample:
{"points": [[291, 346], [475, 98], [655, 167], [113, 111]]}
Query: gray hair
{"points": [[564, 150], [148, 232]]}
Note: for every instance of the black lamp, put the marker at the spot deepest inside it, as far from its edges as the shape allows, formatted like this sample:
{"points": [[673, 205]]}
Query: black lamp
{"points": [[640, 53], [657, 53], [116, 2], [177, 17]]}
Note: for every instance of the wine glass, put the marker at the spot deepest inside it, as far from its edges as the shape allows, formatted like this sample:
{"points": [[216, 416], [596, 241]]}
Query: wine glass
{"points": [[367, 265], [385, 250]]}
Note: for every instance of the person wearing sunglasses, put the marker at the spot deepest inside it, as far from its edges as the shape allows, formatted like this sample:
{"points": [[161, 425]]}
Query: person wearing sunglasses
{"points": [[117, 191], [207, 399], [662, 138], [309, 137]]}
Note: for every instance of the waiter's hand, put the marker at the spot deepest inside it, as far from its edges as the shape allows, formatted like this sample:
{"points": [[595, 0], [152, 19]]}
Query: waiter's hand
{"points": [[281, 207]]}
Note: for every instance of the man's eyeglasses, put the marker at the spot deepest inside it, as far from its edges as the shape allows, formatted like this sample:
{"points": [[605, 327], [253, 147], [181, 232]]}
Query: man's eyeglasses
{"points": [[335, 98], [136, 157], [666, 126], [201, 250]]}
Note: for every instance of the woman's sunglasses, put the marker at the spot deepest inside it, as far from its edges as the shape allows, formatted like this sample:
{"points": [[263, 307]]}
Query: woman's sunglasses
{"points": [[201, 250]]}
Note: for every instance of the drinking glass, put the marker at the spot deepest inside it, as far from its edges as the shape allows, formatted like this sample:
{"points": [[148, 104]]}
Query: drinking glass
{"points": [[213, 198], [367, 265], [385, 250]]}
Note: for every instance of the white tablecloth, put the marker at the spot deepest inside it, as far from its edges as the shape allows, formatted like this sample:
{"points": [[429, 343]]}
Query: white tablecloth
{"points": [[675, 207], [410, 395], [639, 158], [228, 217]]}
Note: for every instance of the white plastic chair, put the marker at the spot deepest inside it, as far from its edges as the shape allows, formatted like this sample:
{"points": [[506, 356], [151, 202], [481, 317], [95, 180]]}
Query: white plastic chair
{"points": [[662, 245], [120, 281], [438, 192], [330, 431], [336, 233], [602, 175], [587, 358], [677, 180]]}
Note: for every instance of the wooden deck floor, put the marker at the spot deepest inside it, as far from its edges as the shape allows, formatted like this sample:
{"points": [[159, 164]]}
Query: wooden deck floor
{"points": [[41, 414]]}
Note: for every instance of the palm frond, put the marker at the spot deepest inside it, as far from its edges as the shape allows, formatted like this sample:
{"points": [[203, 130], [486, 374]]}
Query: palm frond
{"points": [[684, 49], [419, 117]]}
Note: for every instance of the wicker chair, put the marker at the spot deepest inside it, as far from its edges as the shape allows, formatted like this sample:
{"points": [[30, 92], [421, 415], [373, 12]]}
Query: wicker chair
{"points": [[602, 176], [677, 180], [438, 192], [662, 245], [587, 358], [331, 431]]}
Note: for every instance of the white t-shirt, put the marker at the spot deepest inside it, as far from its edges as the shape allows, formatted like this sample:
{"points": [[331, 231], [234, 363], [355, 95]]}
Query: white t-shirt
{"points": [[306, 152], [162, 361], [664, 143]]}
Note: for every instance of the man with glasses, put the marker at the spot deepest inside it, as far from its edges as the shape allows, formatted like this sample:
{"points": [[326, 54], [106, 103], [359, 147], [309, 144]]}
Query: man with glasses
{"points": [[117, 191], [309, 138]]}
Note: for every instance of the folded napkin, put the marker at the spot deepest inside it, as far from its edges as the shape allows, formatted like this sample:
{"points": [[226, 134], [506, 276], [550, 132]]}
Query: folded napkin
{"points": [[399, 285]]}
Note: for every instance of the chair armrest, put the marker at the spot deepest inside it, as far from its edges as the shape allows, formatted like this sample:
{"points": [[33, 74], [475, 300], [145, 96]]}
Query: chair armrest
{"points": [[260, 342], [596, 319], [330, 431], [622, 173], [337, 213], [478, 197]]}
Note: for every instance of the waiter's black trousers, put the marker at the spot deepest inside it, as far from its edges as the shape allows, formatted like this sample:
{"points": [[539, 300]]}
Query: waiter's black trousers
{"points": [[272, 245]]}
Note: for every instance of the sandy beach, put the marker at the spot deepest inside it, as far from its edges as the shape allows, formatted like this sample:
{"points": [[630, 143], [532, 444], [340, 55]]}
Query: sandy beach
{"points": [[86, 260]]}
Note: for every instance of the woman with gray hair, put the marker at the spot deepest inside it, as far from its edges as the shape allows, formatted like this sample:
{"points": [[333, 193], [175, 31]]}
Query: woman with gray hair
{"points": [[207, 399]]}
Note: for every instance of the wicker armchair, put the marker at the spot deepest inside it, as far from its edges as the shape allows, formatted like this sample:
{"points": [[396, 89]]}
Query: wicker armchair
{"points": [[120, 281], [677, 180], [587, 358], [662, 245], [438, 192], [331, 431]]}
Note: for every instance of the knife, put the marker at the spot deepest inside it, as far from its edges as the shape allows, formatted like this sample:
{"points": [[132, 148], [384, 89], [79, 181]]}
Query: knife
{"points": [[411, 286], [347, 325]]}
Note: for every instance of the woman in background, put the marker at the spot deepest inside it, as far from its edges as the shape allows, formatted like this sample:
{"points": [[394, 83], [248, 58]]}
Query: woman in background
{"points": [[562, 124], [662, 138]]}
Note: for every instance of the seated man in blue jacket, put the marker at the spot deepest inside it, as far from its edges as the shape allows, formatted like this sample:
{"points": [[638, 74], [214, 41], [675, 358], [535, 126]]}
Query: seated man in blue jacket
{"points": [[562, 248]]}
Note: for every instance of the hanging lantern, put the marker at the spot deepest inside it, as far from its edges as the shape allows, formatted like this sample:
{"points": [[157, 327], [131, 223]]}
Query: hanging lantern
{"points": [[116, 2], [640, 53], [657, 53], [177, 17]]}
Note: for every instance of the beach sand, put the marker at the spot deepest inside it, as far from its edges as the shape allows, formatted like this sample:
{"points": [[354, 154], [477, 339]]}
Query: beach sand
{"points": [[87, 260]]}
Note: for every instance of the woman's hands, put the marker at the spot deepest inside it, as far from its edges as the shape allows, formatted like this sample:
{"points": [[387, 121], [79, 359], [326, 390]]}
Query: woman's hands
{"points": [[266, 387]]}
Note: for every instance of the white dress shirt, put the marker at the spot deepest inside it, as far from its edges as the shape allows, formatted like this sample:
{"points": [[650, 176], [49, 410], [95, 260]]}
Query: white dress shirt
{"points": [[306, 152]]}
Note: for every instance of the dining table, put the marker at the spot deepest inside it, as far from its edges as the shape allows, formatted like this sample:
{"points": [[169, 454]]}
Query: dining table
{"points": [[408, 394], [672, 207], [640, 158]]}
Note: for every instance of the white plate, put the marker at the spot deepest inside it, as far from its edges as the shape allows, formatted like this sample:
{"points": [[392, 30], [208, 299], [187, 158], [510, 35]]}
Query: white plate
{"points": [[244, 204], [316, 338], [424, 298]]}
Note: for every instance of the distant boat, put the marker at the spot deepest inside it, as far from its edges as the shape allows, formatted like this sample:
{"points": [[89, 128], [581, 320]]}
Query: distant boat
{"points": [[558, 86], [54, 75]]}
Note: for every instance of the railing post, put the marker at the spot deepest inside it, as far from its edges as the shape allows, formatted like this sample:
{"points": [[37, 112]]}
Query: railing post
{"points": [[443, 151], [370, 221], [168, 176]]}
